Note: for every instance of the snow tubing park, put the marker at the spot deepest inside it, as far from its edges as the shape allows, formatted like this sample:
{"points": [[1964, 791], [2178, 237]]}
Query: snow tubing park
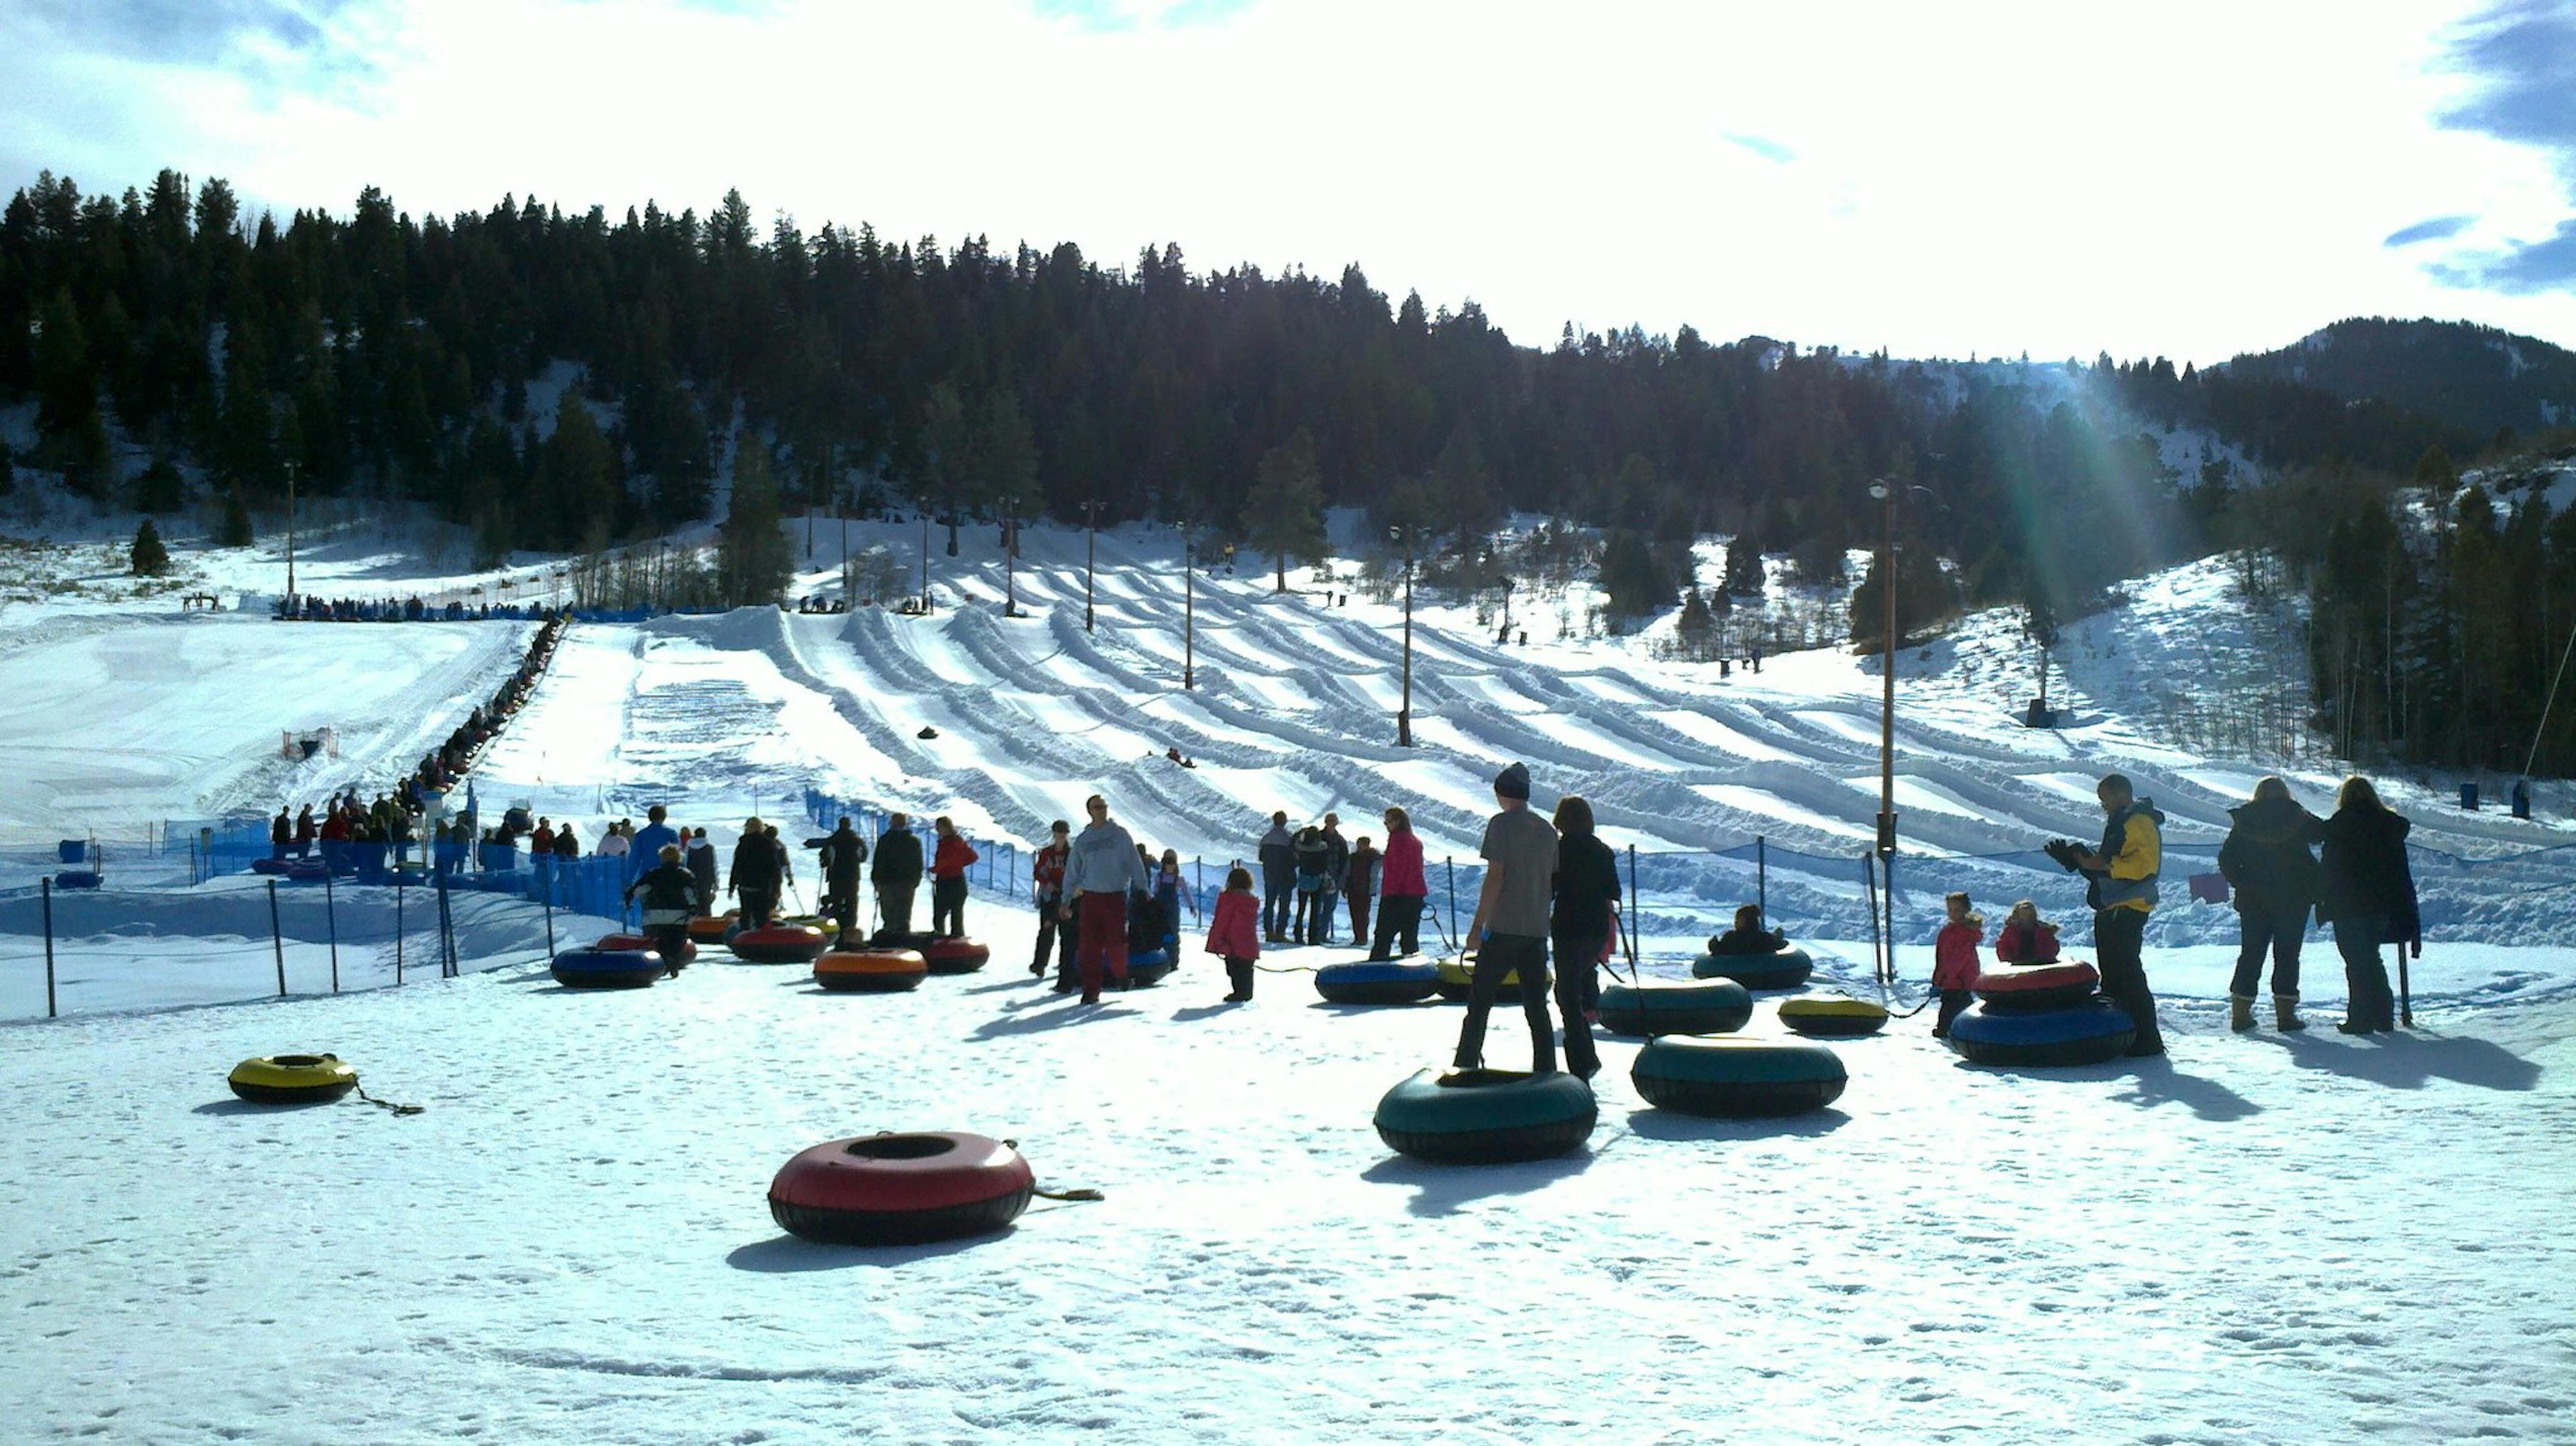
{"points": [[1720, 1007], [292, 1079], [2036, 988], [1829, 1016], [779, 944], [608, 968], [1784, 969], [902, 1189], [870, 971], [1737, 1078], [1388, 981], [2087, 1034], [1487, 1116]]}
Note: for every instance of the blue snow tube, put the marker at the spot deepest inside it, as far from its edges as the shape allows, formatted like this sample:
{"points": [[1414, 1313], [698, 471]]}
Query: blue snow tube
{"points": [[1148, 966], [1718, 1007], [1383, 981], [2086, 1034], [607, 968], [1486, 1116], [1737, 1078], [1783, 968]]}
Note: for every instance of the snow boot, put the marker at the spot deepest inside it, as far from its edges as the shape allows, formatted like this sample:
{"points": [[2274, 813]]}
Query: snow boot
{"points": [[2285, 1014], [2240, 1012]]}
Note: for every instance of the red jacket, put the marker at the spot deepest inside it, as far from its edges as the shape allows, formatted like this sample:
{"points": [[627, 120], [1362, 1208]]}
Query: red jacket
{"points": [[1400, 877], [953, 857], [1236, 931], [1954, 956], [2022, 944], [1048, 872]]}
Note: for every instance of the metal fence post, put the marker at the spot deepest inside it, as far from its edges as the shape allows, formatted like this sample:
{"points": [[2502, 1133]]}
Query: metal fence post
{"points": [[398, 929], [277, 938], [331, 917], [46, 885], [1762, 877], [1451, 866]]}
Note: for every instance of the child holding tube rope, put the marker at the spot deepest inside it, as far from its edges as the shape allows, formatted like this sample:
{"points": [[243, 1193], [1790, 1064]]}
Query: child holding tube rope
{"points": [[1234, 935], [1954, 960]]}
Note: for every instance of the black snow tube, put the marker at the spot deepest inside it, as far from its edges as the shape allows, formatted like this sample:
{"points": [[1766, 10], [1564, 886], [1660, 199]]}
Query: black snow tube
{"points": [[1383, 981], [1718, 1007], [1737, 1079], [1785, 968]]}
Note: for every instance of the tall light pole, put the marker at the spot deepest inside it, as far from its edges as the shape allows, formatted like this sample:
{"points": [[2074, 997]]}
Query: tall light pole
{"points": [[1506, 635], [1885, 492], [925, 558], [1189, 607], [1011, 558], [1090, 555], [1404, 712], [290, 527]]}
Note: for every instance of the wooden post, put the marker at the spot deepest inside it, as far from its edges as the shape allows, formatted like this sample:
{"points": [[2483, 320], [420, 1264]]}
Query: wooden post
{"points": [[398, 929], [331, 917]]}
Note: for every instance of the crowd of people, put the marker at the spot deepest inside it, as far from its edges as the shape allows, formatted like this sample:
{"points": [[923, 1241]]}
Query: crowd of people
{"points": [[307, 608]]}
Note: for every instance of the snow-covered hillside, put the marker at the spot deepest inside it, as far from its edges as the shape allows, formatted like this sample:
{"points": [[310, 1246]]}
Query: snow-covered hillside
{"points": [[571, 1244]]}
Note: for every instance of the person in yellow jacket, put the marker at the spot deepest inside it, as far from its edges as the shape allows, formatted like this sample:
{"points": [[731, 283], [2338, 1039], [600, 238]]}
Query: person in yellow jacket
{"points": [[2121, 886]]}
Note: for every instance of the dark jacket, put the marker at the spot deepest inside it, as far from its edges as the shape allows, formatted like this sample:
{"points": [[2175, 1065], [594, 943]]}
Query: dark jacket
{"points": [[898, 859], [1314, 855], [1278, 857], [755, 865], [1749, 941], [843, 852], [668, 886], [2266, 857], [1587, 884], [2363, 871], [701, 858], [1337, 858]]}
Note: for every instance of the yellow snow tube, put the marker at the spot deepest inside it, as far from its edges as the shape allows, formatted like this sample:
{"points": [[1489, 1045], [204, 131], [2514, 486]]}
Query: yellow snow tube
{"points": [[292, 1079]]}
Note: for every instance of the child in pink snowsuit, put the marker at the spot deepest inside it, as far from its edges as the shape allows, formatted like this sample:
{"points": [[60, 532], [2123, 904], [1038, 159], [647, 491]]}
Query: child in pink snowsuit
{"points": [[1954, 960], [1235, 933]]}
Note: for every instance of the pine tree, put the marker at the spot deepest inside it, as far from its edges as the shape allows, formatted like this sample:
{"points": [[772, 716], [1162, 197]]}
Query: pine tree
{"points": [[149, 557], [1743, 574], [1284, 516], [8, 468], [234, 530], [753, 560], [1633, 579], [160, 488]]}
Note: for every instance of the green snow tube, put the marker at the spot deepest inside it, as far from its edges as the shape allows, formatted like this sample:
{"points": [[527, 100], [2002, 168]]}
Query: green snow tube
{"points": [[1737, 1079], [1486, 1116], [1784, 968], [1719, 1007]]}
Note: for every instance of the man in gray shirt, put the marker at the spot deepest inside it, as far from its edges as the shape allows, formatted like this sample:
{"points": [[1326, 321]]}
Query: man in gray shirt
{"points": [[1510, 929]]}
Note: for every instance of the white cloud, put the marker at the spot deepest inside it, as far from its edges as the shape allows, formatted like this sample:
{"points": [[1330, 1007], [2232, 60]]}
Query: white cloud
{"points": [[2194, 180]]}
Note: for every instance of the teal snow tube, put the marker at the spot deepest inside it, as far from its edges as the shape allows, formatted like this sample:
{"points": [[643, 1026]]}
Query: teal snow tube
{"points": [[1486, 1116], [1737, 1078], [1784, 968], [1719, 1007]]}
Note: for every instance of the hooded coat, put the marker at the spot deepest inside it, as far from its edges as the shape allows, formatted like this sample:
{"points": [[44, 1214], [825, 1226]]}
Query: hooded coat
{"points": [[2266, 858]]}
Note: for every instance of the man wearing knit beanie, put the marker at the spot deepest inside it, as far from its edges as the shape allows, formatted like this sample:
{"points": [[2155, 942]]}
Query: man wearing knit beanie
{"points": [[1510, 928]]}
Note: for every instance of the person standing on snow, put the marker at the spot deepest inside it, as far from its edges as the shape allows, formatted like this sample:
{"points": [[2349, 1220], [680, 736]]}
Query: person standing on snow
{"points": [[2369, 894], [1314, 856], [671, 899], [842, 853], [948, 878], [1337, 863], [702, 862], [281, 832], [2266, 862], [1046, 885], [2121, 886], [1235, 934], [1581, 926], [1099, 873], [897, 873], [1954, 960], [1278, 856], [1401, 890], [1509, 930], [754, 876], [650, 840], [305, 832], [1359, 885]]}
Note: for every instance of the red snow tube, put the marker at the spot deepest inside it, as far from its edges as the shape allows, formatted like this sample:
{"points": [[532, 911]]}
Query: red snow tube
{"points": [[688, 947], [2030, 988], [780, 944], [955, 956], [901, 1189]]}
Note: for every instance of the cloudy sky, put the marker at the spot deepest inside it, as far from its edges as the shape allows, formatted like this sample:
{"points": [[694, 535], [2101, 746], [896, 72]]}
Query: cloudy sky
{"points": [[2189, 179]]}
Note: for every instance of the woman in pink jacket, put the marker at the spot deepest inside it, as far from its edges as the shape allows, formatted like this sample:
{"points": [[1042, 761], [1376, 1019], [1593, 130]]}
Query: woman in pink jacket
{"points": [[1235, 934], [1400, 890]]}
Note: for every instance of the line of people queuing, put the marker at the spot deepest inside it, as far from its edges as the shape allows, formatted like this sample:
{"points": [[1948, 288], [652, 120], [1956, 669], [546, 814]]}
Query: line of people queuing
{"points": [[308, 608]]}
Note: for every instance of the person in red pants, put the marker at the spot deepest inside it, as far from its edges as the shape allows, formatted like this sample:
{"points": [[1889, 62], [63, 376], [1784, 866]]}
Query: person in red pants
{"points": [[1099, 872]]}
